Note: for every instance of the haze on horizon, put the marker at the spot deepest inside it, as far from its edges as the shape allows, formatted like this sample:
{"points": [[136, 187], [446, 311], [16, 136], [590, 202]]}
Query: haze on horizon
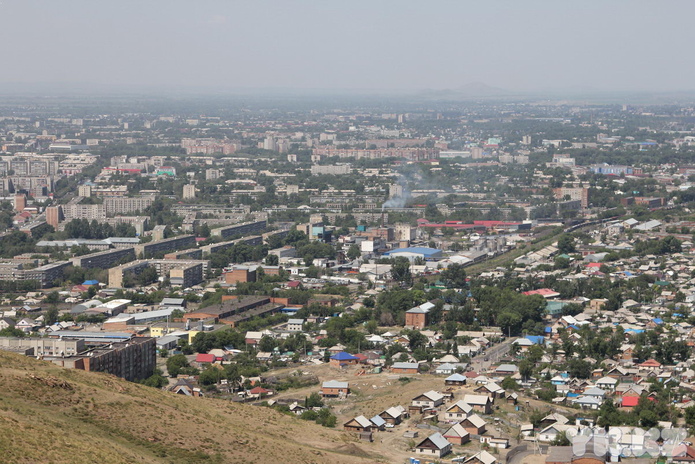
{"points": [[392, 45]]}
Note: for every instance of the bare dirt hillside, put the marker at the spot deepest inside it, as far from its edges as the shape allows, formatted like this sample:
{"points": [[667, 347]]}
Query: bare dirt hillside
{"points": [[53, 415]]}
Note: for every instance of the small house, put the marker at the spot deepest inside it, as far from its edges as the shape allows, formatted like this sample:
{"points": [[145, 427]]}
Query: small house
{"points": [[475, 425], [434, 445], [428, 400], [480, 403], [394, 415], [358, 424], [455, 379], [405, 368], [457, 435], [335, 389], [457, 411], [343, 359]]}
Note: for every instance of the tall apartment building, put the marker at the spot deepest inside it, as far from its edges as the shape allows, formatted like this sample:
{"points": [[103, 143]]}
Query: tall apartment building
{"points": [[20, 202], [188, 192], [6, 185], [212, 174], [54, 215], [33, 167], [404, 232], [131, 360], [209, 146], [574, 194], [395, 190], [187, 275]]}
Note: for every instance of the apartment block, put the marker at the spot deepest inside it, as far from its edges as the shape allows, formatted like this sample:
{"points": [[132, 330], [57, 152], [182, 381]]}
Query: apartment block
{"points": [[165, 246], [119, 205], [104, 259], [187, 275], [76, 211], [192, 274], [240, 229], [54, 215], [43, 275], [337, 170]]}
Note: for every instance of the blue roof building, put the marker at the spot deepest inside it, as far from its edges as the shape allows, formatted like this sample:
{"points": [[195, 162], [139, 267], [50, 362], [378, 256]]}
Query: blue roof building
{"points": [[343, 356], [415, 252]]}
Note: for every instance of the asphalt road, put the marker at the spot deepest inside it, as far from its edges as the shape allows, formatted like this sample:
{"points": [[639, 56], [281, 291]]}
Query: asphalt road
{"points": [[492, 355]]}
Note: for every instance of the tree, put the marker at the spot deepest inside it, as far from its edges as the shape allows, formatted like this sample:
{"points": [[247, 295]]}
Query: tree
{"points": [[525, 369], [354, 252], [272, 260], [156, 380], [176, 364], [579, 368], [51, 316], [566, 244], [11, 332], [267, 344], [400, 270], [561, 439], [509, 383], [52, 298], [210, 376], [313, 401], [454, 276]]}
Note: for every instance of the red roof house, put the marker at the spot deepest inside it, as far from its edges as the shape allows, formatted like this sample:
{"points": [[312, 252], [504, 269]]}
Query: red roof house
{"points": [[205, 358], [544, 292], [629, 401]]}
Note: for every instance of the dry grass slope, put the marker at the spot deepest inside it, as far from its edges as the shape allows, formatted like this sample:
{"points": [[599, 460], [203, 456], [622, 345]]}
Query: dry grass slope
{"points": [[51, 415]]}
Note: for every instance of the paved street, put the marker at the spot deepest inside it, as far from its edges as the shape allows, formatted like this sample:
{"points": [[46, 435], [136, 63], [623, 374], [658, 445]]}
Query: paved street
{"points": [[492, 355]]}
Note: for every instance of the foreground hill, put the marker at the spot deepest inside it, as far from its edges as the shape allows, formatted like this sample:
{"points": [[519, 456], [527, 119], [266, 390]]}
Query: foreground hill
{"points": [[54, 415]]}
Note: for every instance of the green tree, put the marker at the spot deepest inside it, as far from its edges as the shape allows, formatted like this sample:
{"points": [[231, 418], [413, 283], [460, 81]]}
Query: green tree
{"points": [[176, 364], [561, 439], [51, 316], [400, 271], [156, 380], [454, 276], [313, 401], [566, 244], [509, 383], [354, 252]]}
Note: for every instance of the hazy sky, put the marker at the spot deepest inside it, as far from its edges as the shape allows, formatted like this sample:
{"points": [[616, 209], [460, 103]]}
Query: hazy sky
{"points": [[350, 44]]}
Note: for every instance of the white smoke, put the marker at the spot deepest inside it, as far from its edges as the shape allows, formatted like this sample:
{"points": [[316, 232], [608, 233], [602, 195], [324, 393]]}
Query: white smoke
{"points": [[398, 201]]}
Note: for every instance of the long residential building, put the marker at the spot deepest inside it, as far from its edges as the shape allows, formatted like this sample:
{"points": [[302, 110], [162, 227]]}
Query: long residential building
{"points": [[104, 259], [165, 246], [119, 205], [240, 229], [43, 275], [411, 154]]}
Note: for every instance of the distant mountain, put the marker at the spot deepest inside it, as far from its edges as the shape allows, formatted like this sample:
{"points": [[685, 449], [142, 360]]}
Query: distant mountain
{"points": [[63, 416]]}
